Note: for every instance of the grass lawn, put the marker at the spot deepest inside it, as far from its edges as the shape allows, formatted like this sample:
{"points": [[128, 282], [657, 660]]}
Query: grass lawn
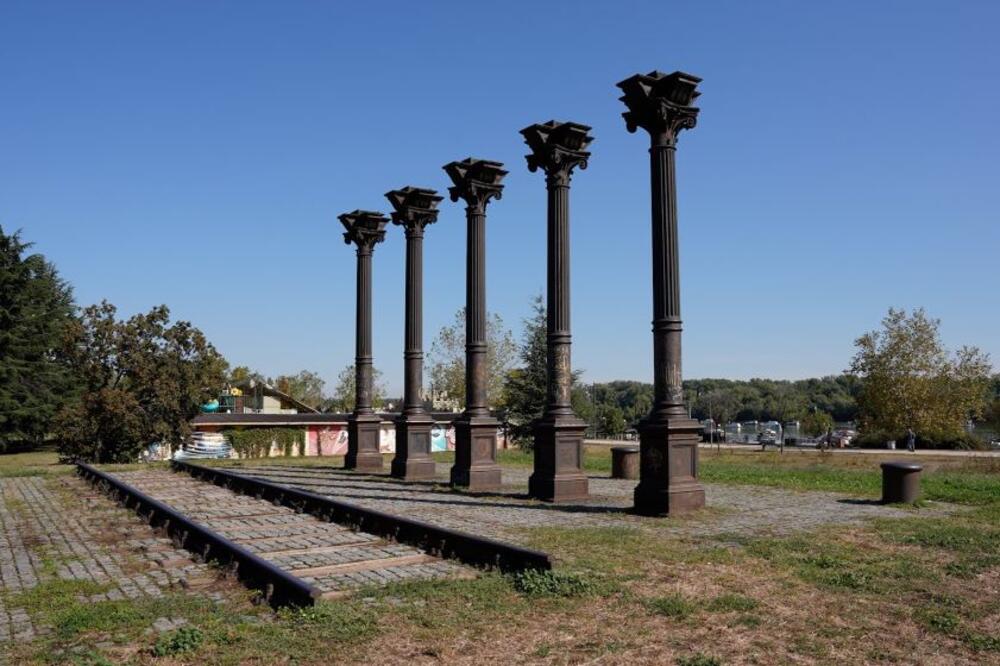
{"points": [[921, 589]]}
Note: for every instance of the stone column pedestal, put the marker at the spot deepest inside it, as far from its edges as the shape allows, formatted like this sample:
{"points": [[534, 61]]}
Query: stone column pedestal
{"points": [[365, 431], [476, 467], [668, 463], [413, 445], [558, 475]]}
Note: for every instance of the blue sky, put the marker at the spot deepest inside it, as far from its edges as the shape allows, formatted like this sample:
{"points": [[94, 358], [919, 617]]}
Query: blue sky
{"points": [[198, 154]]}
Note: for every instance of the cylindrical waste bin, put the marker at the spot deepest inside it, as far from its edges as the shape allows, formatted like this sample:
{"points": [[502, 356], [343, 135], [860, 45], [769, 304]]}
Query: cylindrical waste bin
{"points": [[625, 462], [900, 482]]}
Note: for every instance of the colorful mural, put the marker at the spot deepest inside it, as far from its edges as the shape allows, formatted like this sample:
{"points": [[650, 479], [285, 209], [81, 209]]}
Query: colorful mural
{"points": [[329, 438]]}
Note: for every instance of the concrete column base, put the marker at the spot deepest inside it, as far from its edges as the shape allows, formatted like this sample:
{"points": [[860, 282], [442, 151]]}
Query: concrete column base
{"points": [[413, 461], [363, 452], [558, 475], [476, 467], [668, 467]]}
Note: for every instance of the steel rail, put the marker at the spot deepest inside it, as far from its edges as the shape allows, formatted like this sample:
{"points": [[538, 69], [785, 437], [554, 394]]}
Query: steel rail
{"points": [[467, 548], [279, 587]]}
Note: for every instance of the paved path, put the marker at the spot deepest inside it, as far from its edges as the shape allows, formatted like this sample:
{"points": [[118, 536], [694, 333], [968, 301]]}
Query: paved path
{"points": [[736, 510], [61, 529], [330, 557]]}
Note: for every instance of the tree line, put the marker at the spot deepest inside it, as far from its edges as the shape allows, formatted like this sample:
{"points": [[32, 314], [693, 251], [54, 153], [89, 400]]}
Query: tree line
{"points": [[105, 387]]}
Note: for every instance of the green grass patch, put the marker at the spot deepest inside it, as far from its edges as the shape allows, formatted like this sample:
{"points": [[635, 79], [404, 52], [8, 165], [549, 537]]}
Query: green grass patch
{"points": [[343, 622], [841, 566], [698, 659], [43, 462], [732, 602], [975, 482], [622, 551], [972, 539], [941, 620], [674, 606], [54, 595]]}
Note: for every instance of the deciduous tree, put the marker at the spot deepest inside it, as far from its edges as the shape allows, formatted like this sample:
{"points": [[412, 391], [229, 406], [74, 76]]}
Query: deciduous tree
{"points": [[144, 379], [447, 359], [908, 379], [305, 386], [343, 394]]}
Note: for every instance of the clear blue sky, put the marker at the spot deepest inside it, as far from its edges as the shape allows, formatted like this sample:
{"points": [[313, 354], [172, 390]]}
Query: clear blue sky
{"points": [[198, 154]]}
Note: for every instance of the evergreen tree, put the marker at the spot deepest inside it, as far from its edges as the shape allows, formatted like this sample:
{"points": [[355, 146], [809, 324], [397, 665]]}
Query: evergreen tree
{"points": [[526, 386], [36, 308]]}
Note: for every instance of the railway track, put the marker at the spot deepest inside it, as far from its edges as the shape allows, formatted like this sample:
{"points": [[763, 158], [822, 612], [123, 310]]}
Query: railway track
{"points": [[296, 547]]}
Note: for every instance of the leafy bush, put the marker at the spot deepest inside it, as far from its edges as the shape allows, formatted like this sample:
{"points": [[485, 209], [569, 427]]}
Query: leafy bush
{"points": [[961, 442], [536, 583], [179, 641], [257, 442]]}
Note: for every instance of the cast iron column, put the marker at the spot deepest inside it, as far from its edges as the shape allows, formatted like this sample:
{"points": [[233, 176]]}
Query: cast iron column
{"points": [[414, 209], [364, 229], [668, 478], [558, 148], [476, 182]]}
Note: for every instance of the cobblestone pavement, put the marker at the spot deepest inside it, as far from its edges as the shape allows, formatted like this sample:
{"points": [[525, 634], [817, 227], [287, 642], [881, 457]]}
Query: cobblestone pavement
{"points": [[59, 528], [736, 510], [330, 557]]}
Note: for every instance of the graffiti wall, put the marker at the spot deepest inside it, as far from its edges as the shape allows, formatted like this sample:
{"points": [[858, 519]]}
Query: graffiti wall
{"points": [[330, 439]]}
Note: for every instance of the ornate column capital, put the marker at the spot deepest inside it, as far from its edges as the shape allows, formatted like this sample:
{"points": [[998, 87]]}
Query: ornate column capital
{"points": [[476, 182], [364, 228], [660, 104], [557, 148], [414, 208]]}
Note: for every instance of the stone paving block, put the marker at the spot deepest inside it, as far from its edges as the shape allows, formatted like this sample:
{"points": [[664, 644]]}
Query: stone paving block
{"points": [[747, 510], [44, 527]]}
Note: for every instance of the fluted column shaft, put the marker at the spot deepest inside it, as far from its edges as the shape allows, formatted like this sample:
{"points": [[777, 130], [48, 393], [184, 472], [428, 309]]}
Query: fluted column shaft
{"points": [[413, 353], [363, 334], [559, 366], [475, 317], [667, 378]]}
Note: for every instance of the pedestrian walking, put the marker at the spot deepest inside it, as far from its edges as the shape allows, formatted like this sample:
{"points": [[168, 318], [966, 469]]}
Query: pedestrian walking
{"points": [[911, 440]]}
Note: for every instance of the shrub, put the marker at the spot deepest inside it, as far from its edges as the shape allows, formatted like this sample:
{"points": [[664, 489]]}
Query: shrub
{"points": [[960, 442], [257, 442], [179, 641]]}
